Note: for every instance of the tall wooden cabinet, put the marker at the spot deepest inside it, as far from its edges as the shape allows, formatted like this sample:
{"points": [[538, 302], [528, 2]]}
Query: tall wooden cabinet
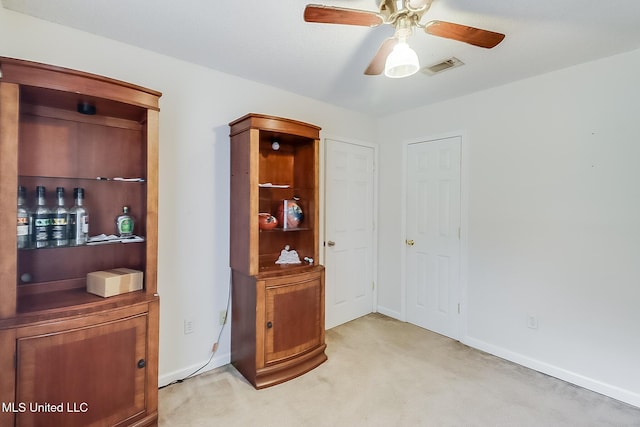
{"points": [[277, 329], [68, 357]]}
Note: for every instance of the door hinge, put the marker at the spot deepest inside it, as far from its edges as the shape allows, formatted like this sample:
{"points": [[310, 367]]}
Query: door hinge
{"points": [[458, 308], [459, 233], [373, 285]]}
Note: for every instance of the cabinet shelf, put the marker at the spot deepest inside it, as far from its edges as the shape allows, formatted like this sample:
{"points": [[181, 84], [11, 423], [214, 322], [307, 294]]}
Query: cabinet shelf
{"points": [[107, 180], [53, 306], [275, 270], [91, 244], [286, 230], [283, 189], [47, 301], [78, 298]]}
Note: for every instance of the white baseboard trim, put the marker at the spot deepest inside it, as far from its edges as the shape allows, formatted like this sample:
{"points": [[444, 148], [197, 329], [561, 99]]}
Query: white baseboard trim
{"points": [[390, 313], [216, 362], [580, 380]]}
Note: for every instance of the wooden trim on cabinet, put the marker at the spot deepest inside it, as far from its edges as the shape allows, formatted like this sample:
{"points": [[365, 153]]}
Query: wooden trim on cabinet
{"points": [[58, 78], [243, 321], [274, 124], [153, 349], [244, 181], [9, 119], [152, 131], [281, 372], [8, 373], [253, 202]]}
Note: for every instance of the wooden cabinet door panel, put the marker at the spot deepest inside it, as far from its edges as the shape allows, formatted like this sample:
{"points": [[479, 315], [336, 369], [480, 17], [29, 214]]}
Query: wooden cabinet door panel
{"points": [[294, 313], [92, 374]]}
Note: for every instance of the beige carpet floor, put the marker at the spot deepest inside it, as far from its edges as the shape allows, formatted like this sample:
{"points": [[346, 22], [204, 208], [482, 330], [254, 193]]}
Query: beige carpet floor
{"points": [[383, 372]]}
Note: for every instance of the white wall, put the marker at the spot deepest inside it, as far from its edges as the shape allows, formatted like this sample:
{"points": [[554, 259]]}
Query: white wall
{"points": [[196, 107], [553, 220]]}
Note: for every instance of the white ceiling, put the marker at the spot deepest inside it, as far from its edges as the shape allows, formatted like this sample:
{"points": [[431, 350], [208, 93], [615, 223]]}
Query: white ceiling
{"points": [[268, 41]]}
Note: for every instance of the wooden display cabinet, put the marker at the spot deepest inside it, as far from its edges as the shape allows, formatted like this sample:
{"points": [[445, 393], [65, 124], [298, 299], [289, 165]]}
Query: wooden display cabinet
{"points": [[86, 360], [278, 309]]}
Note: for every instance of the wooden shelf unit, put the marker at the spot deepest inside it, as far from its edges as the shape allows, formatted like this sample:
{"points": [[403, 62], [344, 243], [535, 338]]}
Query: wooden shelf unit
{"points": [[59, 343], [278, 309]]}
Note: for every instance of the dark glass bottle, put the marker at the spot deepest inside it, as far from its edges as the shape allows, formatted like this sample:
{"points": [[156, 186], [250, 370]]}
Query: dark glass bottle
{"points": [[124, 223]]}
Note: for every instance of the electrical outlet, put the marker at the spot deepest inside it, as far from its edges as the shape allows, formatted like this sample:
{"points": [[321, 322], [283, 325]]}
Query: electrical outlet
{"points": [[532, 322], [188, 326], [223, 317]]}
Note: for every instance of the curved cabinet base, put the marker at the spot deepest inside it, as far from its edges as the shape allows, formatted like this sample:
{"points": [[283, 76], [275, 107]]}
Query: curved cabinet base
{"points": [[282, 372]]}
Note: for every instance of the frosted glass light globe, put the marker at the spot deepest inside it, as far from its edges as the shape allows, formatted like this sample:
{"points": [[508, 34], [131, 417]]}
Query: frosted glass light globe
{"points": [[401, 62]]}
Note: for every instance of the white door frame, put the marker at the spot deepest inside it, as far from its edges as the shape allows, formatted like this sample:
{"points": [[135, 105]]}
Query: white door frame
{"points": [[323, 167], [464, 224]]}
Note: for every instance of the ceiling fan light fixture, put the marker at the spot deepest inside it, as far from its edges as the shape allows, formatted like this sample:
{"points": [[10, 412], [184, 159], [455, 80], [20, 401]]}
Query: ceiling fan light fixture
{"points": [[401, 62]]}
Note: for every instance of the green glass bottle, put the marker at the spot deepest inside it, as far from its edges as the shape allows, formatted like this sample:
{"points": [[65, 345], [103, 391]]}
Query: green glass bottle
{"points": [[124, 223]]}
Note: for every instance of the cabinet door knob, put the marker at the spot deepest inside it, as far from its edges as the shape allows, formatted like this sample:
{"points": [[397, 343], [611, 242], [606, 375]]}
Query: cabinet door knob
{"points": [[141, 363], [269, 325]]}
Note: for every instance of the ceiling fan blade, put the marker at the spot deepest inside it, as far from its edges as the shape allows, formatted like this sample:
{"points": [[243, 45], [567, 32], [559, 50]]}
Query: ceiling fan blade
{"points": [[471, 35], [340, 15], [377, 63]]}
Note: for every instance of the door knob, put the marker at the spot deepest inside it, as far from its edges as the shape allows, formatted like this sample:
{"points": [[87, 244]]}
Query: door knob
{"points": [[410, 242], [331, 243]]}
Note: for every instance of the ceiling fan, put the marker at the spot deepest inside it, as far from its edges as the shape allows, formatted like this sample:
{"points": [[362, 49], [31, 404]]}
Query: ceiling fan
{"points": [[394, 56]]}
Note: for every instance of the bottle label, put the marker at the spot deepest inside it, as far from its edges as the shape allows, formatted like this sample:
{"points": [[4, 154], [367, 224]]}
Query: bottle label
{"points": [[126, 226], [73, 226], [85, 224], [78, 227], [58, 227], [23, 226], [41, 227]]}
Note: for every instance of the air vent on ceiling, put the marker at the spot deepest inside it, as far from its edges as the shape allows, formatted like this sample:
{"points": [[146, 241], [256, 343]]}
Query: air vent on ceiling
{"points": [[441, 66]]}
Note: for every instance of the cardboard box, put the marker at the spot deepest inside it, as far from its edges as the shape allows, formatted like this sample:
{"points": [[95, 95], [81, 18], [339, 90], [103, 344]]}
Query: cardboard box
{"points": [[114, 282]]}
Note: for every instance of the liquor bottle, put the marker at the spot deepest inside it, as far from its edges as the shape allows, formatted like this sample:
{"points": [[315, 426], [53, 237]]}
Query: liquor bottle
{"points": [[124, 223], [24, 228], [41, 218], [78, 220], [59, 221]]}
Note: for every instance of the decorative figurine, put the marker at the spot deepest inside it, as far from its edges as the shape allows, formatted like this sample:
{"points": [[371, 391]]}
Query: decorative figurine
{"points": [[288, 256]]}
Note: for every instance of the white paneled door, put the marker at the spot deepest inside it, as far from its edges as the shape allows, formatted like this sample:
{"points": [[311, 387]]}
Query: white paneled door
{"points": [[433, 235], [349, 241]]}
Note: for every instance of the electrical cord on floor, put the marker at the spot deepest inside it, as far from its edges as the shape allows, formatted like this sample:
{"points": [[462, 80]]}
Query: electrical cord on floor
{"points": [[213, 350]]}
